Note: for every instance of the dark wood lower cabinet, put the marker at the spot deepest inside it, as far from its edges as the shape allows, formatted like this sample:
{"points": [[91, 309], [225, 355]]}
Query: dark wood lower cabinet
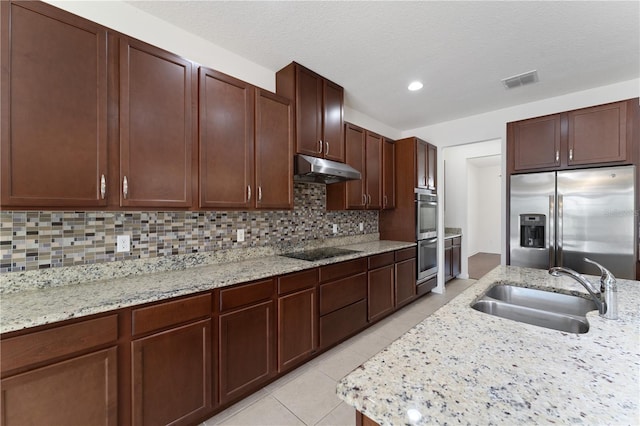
{"points": [[79, 391], [405, 282], [380, 292], [297, 328], [171, 375], [452, 253], [178, 361], [246, 350]]}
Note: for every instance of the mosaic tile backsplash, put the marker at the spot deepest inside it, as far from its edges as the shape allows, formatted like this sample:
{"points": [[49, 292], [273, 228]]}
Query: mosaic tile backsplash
{"points": [[31, 240]]}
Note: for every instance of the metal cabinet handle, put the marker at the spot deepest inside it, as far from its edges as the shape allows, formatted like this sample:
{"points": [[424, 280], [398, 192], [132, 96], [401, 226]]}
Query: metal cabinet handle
{"points": [[248, 192], [103, 186], [125, 187], [368, 199], [320, 147], [326, 148], [385, 201], [259, 193], [364, 199], [557, 156], [571, 154]]}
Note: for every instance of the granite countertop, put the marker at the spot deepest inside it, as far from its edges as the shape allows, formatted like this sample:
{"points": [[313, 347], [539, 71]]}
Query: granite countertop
{"points": [[461, 366], [30, 308]]}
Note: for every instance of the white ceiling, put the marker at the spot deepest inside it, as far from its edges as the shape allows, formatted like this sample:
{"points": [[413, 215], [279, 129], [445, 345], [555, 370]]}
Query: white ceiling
{"points": [[460, 50]]}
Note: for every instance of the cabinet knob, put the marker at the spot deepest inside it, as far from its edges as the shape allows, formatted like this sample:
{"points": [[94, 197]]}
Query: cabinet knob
{"points": [[248, 192], [125, 187], [320, 147], [103, 186]]}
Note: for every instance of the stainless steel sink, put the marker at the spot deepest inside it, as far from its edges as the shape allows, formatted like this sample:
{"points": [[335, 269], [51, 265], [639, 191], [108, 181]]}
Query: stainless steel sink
{"points": [[537, 307]]}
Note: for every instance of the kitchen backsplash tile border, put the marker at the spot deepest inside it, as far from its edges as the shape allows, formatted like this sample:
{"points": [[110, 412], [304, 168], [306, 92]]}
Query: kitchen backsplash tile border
{"points": [[36, 240]]}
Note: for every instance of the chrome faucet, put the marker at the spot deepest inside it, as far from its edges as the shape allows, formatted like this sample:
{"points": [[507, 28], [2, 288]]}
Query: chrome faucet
{"points": [[605, 297]]}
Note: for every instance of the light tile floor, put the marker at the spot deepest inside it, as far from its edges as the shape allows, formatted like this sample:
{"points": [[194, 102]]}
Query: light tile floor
{"points": [[307, 395]]}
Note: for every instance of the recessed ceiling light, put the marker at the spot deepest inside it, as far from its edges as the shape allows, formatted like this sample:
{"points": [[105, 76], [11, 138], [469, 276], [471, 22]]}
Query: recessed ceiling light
{"points": [[416, 85]]}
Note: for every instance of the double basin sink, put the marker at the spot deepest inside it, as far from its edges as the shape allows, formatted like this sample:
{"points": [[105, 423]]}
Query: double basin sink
{"points": [[556, 311]]}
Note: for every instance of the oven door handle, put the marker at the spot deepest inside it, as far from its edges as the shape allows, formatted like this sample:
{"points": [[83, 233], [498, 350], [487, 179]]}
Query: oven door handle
{"points": [[429, 240]]}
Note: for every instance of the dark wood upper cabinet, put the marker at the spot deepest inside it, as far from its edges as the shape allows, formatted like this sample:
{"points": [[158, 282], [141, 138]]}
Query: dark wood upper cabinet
{"points": [[319, 111], [426, 163], [156, 135], [53, 108], [598, 134], [356, 140], [373, 170], [535, 143], [273, 151], [432, 167], [226, 110], [364, 150], [388, 174]]}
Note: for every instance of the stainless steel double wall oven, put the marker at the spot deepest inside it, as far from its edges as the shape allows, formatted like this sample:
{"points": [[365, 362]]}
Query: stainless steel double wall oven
{"points": [[426, 234]]}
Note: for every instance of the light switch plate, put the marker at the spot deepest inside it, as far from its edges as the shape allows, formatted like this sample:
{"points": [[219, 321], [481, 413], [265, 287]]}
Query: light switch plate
{"points": [[361, 226], [123, 244], [335, 228], [240, 235]]}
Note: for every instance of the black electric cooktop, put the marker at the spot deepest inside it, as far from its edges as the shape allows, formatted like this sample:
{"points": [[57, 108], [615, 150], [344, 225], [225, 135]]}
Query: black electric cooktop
{"points": [[319, 254]]}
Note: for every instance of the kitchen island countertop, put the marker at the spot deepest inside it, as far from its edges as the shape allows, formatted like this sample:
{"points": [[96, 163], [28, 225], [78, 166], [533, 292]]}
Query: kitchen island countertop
{"points": [[461, 366], [31, 308]]}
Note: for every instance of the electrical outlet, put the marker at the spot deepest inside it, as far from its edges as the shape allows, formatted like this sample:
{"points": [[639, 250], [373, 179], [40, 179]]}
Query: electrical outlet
{"points": [[335, 228], [240, 235], [361, 226], [123, 244]]}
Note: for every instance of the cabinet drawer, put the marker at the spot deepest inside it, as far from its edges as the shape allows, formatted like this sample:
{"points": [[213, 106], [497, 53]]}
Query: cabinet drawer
{"points": [[41, 346], [246, 294], [448, 242], [342, 323], [380, 260], [166, 314], [341, 293], [297, 281], [342, 269], [404, 254], [457, 241]]}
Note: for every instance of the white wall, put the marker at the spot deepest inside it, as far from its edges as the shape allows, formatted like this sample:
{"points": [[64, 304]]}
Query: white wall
{"points": [[455, 189], [484, 224]]}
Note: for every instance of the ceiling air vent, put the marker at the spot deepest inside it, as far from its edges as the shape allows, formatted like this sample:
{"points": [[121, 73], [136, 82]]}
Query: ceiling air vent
{"points": [[520, 79]]}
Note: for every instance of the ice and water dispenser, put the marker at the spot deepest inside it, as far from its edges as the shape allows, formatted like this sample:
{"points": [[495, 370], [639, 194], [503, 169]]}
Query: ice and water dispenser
{"points": [[532, 230]]}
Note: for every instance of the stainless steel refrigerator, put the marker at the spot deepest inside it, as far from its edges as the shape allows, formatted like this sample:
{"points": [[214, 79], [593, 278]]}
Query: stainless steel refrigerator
{"points": [[558, 218]]}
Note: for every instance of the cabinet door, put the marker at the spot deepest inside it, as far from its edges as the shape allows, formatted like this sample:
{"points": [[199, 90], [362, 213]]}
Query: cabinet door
{"points": [[226, 141], [246, 349], [332, 133], [80, 391], [455, 261], [171, 375], [308, 112], [274, 151], [53, 108], [388, 174], [432, 166], [355, 155], [535, 143], [373, 168], [380, 292], [156, 138], [598, 134], [421, 163], [405, 281], [448, 262], [297, 328]]}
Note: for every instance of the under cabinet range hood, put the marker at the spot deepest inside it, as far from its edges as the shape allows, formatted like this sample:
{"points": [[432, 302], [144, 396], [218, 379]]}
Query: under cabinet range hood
{"points": [[319, 170]]}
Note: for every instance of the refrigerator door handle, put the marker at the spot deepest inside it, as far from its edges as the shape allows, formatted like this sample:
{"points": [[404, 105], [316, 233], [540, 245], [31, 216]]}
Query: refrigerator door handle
{"points": [[552, 231], [559, 232]]}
